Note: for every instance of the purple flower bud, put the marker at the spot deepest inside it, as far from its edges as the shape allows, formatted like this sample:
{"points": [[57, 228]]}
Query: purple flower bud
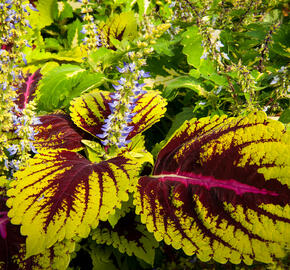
{"points": [[122, 81], [33, 149], [13, 149], [101, 136], [24, 59], [117, 87], [124, 69], [32, 7]]}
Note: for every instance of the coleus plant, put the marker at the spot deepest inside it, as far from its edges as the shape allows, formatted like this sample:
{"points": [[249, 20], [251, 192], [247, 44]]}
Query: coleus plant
{"points": [[61, 193], [219, 188]]}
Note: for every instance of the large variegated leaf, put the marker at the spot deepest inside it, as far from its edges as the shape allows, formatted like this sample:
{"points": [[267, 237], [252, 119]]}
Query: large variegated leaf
{"points": [[129, 235], [57, 131], [220, 189], [61, 194], [90, 110], [13, 250]]}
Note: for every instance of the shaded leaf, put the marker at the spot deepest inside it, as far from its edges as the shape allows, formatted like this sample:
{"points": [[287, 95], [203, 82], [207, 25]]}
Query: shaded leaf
{"points": [[220, 189], [90, 110], [285, 116], [129, 235], [61, 195], [101, 256], [119, 213]]}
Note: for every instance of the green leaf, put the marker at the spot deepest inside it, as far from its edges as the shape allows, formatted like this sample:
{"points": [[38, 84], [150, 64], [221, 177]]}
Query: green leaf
{"points": [[100, 256], [64, 10], [162, 47], [119, 213], [285, 116], [44, 16], [63, 83], [129, 235], [52, 44], [119, 26], [74, 35], [192, 46], [104, 57], [186, 114], [183, 82]]}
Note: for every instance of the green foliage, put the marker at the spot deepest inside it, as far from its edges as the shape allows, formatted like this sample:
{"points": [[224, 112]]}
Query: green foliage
{"points": [[63, 83]]}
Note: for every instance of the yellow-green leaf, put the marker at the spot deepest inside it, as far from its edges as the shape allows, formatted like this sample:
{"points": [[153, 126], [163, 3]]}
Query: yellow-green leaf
{"points": [[220, 190], [61, 195]]}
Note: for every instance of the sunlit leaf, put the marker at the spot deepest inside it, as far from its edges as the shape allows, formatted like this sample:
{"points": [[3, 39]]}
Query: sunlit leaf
{"points": [[192, 46], [57, 131], [90, 110], [61, 195], [120, 26], [44, 15], [63, 83], [13, 250], [129, 235], [220, 189]]}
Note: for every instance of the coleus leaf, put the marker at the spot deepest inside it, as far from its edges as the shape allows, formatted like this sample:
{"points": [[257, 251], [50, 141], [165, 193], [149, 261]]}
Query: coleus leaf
{"points": [[57, 131], [120, 26], [61, 195], [63, 83], [90, 110], [13, 250], [220, 189], [128, 235], [26, 91]]}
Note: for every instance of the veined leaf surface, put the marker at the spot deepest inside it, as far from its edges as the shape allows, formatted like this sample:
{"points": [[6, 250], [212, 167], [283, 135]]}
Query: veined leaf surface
{"points": [[220, 189], [57, 131], [13, 250], [90, 110], [26, 91], [120, 26], [61, 195]]}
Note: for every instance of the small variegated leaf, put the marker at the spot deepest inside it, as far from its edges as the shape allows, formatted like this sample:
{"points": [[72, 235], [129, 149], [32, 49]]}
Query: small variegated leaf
{"points": [[62, 195], [220, 189], [120, 26], [90, 110], [26, 91], [128, 235], [57, 131]]}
